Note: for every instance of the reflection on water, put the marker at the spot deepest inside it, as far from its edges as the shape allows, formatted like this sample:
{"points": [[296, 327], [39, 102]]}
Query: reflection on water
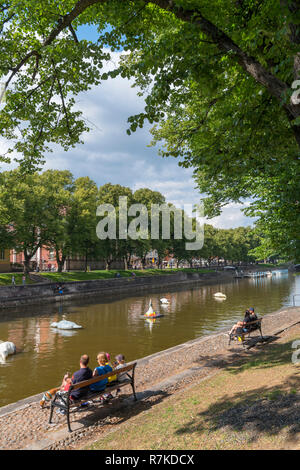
{"points": [[45, 353]]}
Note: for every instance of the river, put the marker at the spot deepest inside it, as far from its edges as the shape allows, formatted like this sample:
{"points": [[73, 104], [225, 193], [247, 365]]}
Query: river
{"points": [[45, 354]]}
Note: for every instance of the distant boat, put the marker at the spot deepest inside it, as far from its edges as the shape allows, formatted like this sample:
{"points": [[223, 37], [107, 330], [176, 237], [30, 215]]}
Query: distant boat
{"points": [[7, 348], [220, 295], [150, 312], [65, 325]]}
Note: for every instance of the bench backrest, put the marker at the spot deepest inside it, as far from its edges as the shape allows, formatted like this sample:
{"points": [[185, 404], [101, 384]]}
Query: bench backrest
{"points": [[258, 320], [97, 378]]}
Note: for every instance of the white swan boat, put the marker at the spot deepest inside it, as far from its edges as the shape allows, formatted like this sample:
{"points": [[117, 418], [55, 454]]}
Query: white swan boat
{"points": [[65, 325], [220, 295], [7, 348], [150, 312]]}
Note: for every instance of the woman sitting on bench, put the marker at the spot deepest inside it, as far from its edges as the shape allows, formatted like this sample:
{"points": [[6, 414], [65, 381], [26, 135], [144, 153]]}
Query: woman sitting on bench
{"points": [[252, 318], [238, 328], [242, 327], [102, 369]]}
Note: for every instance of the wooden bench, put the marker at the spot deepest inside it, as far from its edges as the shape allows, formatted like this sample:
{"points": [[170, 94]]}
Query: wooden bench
{"points": [[63, 400], [241, 336]]}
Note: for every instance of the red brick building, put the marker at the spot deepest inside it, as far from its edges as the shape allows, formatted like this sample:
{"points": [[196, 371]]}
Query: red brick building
{"points": [[44, 258]]}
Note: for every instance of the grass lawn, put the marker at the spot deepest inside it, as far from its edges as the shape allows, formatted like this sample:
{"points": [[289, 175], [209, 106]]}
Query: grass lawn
{"points": [[5, 279], [103, 274], [270, 265], [254, 404]]}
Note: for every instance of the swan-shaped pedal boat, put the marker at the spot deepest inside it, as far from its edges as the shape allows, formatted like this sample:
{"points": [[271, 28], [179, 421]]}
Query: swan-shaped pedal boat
{"points": [[220, 295], [65, 325], [7, 348], [150, 312]]}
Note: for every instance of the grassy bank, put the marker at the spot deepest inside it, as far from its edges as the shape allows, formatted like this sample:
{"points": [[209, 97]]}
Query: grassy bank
{"points": [[5, 279], [252, 404]]}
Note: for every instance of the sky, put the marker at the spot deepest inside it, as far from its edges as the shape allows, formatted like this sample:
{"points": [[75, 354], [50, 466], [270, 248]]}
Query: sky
{"points": [[109, 155]]}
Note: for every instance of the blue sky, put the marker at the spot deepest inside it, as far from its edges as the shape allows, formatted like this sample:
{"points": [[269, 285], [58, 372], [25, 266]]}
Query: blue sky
{"points": [[110, 155]]}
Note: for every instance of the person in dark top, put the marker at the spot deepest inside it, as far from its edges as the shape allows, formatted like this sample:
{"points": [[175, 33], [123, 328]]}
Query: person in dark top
{"points": [[84, 373], [252, 314], [253, 317], [247, 319]]}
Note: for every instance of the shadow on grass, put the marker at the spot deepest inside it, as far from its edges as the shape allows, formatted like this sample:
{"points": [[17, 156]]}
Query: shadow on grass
{"points": [[265, 411], [266, 355], [256, 413]]}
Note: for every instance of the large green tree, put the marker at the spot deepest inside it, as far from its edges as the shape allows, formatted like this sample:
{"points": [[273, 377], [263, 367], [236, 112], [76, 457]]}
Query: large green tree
{"points": [[218, 77], [72, 207], [115, 248], [27, 210]]}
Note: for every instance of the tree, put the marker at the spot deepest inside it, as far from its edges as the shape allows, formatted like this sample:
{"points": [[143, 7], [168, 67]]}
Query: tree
{"points": [[25, 215], [115, 248], [220, 73], [245, 47], [148, 197], [51, 210], [209, 250], [59, 230], [84, 212], [72, 230]]}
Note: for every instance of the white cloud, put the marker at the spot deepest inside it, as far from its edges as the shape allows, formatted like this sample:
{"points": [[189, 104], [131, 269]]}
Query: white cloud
{"points": [[110, 155], [232, 217]]}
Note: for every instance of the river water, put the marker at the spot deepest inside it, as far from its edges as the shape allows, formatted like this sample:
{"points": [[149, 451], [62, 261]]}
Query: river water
{"points": [[45, 354]]}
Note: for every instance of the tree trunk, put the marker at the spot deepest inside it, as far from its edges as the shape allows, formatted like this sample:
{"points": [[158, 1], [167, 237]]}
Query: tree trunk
{"points": [[60, 260], [26, 269], [27, 258], [86, 261], [108, 262], [60, 265], [158, 261]]}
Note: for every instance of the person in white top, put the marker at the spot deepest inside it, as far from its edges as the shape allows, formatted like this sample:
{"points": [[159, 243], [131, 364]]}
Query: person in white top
{"points": [[119, 363]]}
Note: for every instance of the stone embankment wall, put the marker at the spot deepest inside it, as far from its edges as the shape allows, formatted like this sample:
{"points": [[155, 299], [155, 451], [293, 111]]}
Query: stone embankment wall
{"points": [[35, 294]]}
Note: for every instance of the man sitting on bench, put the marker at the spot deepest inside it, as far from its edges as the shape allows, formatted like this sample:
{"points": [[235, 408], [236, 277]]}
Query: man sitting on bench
{"points": [[251, 317]]}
